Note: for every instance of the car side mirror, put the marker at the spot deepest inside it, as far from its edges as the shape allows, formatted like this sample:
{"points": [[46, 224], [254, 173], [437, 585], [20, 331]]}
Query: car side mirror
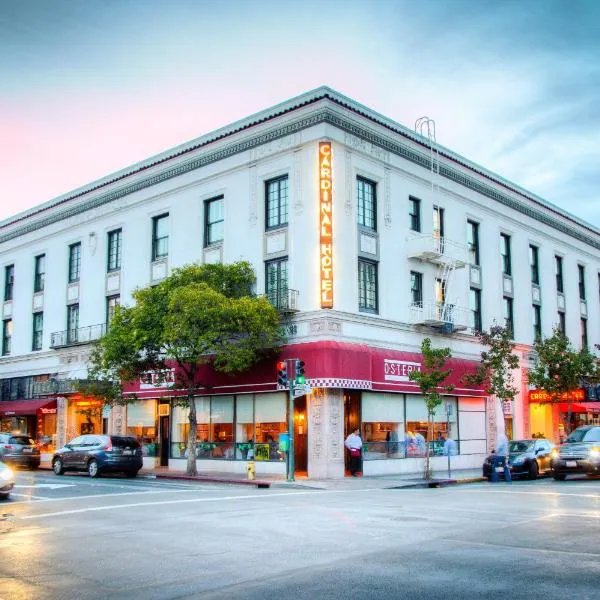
{"points": [[68, 446], [539, 451]]}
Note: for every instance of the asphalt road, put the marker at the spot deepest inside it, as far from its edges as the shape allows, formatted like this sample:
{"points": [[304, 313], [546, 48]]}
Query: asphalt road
{"points": [[72, 537]]}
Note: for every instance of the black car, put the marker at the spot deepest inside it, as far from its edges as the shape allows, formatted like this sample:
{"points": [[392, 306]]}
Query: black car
{"points": [[579, 454], [19, 450], [98, 454], [529, 458], [7, 480]]}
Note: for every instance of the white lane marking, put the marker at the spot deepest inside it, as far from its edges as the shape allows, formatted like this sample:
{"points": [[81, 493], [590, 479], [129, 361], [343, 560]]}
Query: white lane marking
{"points": [[51, 486], [191, 500], [473, 490], [39, 498], [525, 548]]}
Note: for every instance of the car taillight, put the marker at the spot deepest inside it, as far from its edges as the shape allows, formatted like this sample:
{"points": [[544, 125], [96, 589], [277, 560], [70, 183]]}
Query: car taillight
{"points": [[108, 446], [8, 447]]}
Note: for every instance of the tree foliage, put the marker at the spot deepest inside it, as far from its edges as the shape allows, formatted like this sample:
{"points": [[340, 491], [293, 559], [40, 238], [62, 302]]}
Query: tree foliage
{"points": [[200, 314], [497, 364], [431, 380], [560, 368]]}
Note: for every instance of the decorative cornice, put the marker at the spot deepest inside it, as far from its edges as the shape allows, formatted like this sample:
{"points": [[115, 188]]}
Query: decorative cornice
{"points": [[330, 114]]}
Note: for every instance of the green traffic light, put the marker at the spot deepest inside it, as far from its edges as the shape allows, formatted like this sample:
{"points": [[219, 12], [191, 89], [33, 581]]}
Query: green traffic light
{"points": [[300, 380]]}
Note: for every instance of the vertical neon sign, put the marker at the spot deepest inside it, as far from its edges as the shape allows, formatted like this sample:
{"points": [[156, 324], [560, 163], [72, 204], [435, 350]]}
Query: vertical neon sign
{"points": [[326, 225]]}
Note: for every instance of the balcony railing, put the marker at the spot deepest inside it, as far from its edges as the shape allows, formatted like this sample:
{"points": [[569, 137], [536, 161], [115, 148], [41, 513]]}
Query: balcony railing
{"points": [[284, 300], [73, 337], [440, 315], [436, 249], [55, 386]]}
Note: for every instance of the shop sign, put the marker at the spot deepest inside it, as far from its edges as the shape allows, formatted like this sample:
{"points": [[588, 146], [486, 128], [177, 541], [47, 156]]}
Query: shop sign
{"points": [[157, 379], [577, 395], [399, 370], [326, 225], [47, 411], [507, 407]]}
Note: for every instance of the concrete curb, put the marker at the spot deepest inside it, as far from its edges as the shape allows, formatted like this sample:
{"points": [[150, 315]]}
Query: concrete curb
{"points": [[208, 479], [435, 483]]}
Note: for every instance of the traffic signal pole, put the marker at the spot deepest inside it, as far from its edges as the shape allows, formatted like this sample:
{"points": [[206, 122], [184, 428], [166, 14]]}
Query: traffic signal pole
{"points": [[290, 462]]}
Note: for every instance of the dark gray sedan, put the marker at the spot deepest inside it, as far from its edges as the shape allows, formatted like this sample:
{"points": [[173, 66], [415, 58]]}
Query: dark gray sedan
{"points": [[99, 454]]}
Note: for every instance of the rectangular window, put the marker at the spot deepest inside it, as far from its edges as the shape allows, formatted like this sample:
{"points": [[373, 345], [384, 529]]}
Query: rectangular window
{"points": [[508, 315], [72, 323], [277, 282], [160, 236], [559, 274], [74, 262], [581, 272], [367, 286], [562, 326], [6, 336], [438, 222], [414, 213], [473, 242], [505, 254], [115, 240], [584, 334], [276, 202], [440, 291], [366, 198], [111, 303], [40, 273], [537, 321], [38, 329], [214, 220], [475, 307], [534, 264], [416, 288], [9, 282]]}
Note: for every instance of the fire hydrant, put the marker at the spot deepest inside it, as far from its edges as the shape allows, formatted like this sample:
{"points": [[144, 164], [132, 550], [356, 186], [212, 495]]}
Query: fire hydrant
{"points": [[251, 469]]}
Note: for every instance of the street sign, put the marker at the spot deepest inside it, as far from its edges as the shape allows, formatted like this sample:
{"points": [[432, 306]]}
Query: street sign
{"points": [[301, 390]]}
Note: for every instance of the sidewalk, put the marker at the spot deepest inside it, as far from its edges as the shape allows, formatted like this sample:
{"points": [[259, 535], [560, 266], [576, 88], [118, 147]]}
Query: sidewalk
{"points": [[412, 480]]}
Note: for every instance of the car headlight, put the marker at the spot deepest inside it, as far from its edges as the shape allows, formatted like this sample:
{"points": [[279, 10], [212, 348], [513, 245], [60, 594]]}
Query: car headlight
{"points": [[595, 453], [554, 453], [7, 474], [519, 460]]}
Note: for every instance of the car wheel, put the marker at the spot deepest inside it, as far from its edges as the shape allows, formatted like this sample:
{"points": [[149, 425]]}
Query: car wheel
{"points": [[4, 496], [57, 467], [93, 469], [534, 470], [131, 474], [559, 476]]}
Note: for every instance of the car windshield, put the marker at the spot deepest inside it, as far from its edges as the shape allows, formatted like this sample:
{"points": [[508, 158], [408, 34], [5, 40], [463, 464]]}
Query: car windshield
{"points": [[577, 435], [122, 442], [521, 446]]}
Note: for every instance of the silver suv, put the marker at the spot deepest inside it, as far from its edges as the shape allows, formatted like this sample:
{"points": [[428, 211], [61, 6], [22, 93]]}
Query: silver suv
{"points": [[579, 454]]}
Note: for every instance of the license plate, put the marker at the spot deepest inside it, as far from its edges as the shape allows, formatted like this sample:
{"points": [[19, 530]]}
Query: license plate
{"points": [[499, 469], [128, 452], [571, 463], [27, 450]]}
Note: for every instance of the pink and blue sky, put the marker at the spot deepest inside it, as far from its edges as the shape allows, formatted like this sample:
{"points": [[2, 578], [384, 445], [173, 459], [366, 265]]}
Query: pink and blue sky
{"points": [[88, 87]]}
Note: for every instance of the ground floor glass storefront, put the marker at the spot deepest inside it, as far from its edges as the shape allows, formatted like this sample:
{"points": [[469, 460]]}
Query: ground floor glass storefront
{"points": [[142, 424], [232, 427], [394, 426]]}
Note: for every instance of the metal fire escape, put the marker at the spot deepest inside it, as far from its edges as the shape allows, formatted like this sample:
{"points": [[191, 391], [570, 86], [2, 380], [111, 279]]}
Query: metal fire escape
{"points": [[437, 249]]}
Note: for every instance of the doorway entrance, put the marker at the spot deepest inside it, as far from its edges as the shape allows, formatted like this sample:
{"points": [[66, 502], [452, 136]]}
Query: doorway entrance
{"points": [[300, 437], [351, 421], [164, 441]]}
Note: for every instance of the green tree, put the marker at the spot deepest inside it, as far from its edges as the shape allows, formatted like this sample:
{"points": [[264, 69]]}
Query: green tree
{"points": [[431, 379], [560, 368], [497, 364], [201, 314]]}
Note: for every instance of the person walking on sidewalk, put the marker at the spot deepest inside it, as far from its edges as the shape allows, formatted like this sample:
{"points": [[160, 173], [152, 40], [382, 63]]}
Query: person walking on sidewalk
{"points": [[354, 445], [501, 459]]}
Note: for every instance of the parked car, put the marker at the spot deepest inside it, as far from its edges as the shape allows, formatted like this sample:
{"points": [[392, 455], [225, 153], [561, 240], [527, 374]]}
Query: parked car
{"points": [[529, 458], [7, 480], [579, 454], [19, 450], [98, 454]]}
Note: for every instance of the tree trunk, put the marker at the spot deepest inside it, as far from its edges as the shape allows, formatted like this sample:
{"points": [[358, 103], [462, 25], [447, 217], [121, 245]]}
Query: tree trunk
{"points": [[191, 443], [427, 473]]}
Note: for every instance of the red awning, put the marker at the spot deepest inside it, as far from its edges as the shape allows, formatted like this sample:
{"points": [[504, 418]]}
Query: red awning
{"points": [[22, 408], [579, 407]]}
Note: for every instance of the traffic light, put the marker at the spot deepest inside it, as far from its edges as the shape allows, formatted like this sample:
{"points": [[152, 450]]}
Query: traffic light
{"points": [[300, 378], [282, 374]]}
